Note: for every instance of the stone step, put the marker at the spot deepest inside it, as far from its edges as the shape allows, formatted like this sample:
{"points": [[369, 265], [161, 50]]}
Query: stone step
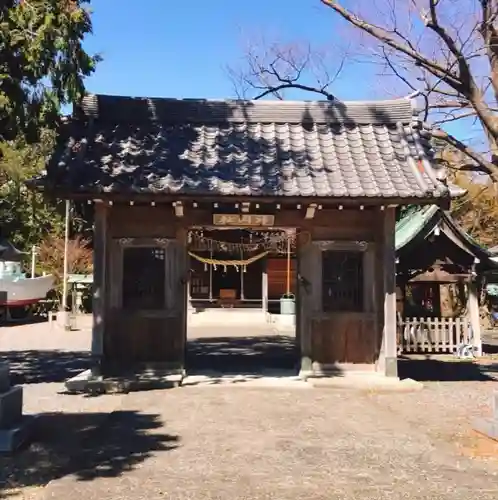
{"points": [[85, 382], [227, 316], [10, 407], [4, 376]]}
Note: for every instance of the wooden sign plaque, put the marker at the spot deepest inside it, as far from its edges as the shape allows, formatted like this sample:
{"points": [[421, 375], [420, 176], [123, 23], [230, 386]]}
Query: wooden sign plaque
{"points": [[243, 220]]}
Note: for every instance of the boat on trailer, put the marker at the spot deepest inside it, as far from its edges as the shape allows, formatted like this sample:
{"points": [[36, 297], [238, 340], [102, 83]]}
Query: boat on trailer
{"points": [[17, 289]]}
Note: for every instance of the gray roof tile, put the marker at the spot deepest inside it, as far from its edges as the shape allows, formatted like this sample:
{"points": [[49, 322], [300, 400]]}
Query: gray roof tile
{"points": [[274, 148]]}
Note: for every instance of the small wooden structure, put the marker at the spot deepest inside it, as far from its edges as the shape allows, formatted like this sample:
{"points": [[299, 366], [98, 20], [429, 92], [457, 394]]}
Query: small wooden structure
{"points": [[439, 274], [157, 169]]}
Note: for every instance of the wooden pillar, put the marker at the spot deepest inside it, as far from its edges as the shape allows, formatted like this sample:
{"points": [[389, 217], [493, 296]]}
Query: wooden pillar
{"points": [[388, 361], [264, 287], [309, 266], [184, 290], [473, 313], [99, 283], [210, 277], [241, 269], [189, 283]]}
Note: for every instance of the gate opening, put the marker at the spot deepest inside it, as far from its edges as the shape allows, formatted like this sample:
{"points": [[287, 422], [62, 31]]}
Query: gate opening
{"points": [[238, 277]]}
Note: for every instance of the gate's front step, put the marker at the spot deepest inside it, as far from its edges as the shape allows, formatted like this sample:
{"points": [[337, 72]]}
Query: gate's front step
{"points": [[87, 382], [266, 378]]}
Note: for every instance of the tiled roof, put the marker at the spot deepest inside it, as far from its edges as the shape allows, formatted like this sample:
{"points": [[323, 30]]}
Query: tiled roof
{"points": [[415, 220], [422, 220], [264, 148]]}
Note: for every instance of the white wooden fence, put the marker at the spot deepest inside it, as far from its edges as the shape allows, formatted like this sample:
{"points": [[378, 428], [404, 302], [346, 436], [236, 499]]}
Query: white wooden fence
{"points": [[433, 335]]}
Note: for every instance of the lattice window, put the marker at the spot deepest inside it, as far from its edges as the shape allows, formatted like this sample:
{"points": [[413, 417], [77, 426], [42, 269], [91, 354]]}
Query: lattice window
{"points": [[342, 281], [144, 286]]}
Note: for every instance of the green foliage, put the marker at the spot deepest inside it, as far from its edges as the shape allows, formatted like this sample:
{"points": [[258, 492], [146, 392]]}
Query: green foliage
{"points": [[42, 68], [42, 63], [25, 216]]}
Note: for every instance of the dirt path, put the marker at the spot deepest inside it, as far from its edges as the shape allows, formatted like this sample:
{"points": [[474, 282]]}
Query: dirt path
{"points": [[228, 442], [239, 443]]}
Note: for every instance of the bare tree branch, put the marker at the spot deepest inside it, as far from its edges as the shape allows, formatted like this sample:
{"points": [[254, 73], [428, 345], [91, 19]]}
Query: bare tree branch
{"points": [[482, 164], [446, 67], [443, 54], [271, 70], [489, 34]]}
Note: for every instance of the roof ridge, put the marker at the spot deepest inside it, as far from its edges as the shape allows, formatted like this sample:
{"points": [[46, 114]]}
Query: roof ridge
{"points": [[147, 109]]}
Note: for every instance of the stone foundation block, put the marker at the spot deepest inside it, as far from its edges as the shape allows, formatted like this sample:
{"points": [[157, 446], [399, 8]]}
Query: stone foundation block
{"points": [[11, 407], [13, 438], [4, 376]]}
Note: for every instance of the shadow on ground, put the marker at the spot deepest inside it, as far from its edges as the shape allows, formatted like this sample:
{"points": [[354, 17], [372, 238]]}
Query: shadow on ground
{"points": [[445, 370], [88, 446], [35, 367], [242, 354]]}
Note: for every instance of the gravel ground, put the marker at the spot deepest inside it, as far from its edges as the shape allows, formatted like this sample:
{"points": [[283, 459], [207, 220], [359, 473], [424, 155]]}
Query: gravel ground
{"points": [[41, 358], [227, 442]]}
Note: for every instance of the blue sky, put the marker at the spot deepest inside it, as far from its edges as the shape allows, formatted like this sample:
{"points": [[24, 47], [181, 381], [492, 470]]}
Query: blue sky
{"points": [[171, 48], [181, 48]]}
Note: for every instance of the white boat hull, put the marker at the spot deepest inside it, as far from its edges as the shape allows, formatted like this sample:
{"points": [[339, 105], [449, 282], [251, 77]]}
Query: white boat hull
{"points": [[24, 291]]}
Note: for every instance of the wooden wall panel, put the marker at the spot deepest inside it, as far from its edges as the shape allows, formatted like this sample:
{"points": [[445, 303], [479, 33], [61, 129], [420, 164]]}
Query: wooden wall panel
{"points": [[160, 221], [133, 339], [143, 222], [277, 277], [344, 338]]}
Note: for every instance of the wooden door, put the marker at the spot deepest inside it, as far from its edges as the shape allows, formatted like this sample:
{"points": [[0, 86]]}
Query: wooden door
{"points": [[147, 321], [343, 323]]}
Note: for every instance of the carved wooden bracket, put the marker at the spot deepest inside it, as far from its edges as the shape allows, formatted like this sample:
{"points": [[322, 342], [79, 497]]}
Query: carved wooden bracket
{"points": [[353, 246], [126, 242]]}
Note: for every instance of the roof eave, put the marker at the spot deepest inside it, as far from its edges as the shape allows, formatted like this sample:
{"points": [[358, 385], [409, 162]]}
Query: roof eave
{"points": [[45, 186]]}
